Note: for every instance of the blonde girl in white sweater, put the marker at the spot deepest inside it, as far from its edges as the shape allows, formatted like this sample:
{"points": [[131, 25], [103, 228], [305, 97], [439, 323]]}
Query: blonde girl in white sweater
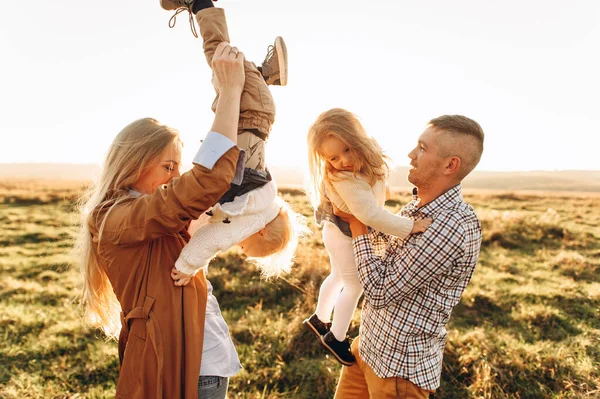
{"points": [[349, 171]]}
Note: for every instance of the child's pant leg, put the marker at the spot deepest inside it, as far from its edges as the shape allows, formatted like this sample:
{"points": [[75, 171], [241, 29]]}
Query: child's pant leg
{"points": [[342, 256], [257, 108], [332, 285]]}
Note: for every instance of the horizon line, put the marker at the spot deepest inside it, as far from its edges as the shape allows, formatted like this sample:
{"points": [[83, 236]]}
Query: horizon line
{"points": [[297, 165]]}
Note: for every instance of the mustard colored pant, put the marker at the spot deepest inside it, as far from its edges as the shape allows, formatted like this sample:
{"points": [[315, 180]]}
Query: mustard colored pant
{"points": [[360, 382], [257, 108]]}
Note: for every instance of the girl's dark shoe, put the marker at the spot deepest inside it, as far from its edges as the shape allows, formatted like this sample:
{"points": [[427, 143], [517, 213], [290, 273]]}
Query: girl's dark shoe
{"points": [[317, 326], [339, 349]]}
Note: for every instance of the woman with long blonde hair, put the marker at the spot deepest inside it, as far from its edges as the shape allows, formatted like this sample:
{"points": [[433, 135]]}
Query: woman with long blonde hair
{"points": [[348, 170], [134, 226]]}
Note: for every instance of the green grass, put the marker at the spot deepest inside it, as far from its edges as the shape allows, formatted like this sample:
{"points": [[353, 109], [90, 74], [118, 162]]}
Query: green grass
{"points": [[528, 325]]}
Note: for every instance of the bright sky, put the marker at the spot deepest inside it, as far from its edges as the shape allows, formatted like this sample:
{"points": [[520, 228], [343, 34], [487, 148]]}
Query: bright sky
{"points": [[73, 73]]}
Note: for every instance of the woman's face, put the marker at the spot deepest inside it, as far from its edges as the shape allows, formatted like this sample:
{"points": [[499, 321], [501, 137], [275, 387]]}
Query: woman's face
{"points": [[161, 172], [339, 155]]}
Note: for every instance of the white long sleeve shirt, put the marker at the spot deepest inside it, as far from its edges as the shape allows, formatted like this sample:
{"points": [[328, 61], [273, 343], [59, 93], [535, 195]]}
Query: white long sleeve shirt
{"points": [[356, 196]]}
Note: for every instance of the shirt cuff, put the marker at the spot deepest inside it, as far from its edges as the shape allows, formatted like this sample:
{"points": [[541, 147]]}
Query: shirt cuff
{"points": [[213, 147]]}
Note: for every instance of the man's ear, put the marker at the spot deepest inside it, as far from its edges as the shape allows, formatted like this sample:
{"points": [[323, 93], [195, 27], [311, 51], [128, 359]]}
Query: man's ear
{"points": [[453, 165]]}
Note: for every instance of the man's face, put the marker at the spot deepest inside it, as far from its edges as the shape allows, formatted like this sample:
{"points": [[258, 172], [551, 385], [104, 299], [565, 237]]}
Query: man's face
{"points": [[427, 165]]}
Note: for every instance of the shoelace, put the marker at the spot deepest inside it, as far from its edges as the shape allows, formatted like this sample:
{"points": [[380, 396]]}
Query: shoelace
{"points": [[270, 53], [173, 20]]}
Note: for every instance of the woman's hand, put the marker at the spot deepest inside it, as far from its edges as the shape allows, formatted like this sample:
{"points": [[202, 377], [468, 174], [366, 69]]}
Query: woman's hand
{"points": [[228, 67], [180, 279], [421, 225]]}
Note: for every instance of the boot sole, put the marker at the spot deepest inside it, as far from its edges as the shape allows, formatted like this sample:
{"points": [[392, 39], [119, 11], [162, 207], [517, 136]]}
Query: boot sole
{"points": [[345, 363], [282, 58]]}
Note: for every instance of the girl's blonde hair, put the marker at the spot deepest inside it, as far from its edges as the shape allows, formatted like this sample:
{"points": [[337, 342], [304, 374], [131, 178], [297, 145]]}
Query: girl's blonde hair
{"points": [[369, 161], [138, 146], [281, 237]]}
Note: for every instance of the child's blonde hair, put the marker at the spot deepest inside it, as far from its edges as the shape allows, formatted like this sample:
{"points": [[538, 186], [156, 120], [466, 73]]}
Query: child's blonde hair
{"points": [[138, 146], [370, 162], [281, 236]]}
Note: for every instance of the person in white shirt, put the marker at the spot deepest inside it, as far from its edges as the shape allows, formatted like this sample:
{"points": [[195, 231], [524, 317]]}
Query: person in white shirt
{"points": [[347, 170]]}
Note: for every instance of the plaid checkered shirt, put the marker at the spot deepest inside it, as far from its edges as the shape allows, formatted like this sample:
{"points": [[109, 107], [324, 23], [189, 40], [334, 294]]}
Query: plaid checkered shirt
{"points": [[411, 287]]}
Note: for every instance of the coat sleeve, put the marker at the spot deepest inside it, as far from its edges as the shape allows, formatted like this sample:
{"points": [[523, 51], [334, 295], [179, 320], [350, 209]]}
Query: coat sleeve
{"points": [[171, 206], [360, 200]]}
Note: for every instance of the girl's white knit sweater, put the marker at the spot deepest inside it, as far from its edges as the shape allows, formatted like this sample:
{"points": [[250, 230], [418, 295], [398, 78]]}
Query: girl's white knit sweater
{"points": [[245, 215], [356, 196]]}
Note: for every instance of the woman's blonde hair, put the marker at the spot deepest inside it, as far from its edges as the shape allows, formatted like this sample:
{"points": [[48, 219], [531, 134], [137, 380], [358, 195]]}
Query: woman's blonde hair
{"points": [[138, 146], [369, 161], [282, 235]]}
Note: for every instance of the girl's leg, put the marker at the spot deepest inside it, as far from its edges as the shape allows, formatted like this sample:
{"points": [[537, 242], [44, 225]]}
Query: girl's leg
{"points": [[348, 298], [257, 108], [331, 286]]}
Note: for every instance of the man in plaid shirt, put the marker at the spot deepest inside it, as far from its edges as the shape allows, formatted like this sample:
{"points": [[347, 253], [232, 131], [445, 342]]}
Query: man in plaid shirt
{"points": [[412, 285]]}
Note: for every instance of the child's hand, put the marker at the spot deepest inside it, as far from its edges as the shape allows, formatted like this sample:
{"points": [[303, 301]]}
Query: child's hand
{"points": [[180, 278], [421, 225]]}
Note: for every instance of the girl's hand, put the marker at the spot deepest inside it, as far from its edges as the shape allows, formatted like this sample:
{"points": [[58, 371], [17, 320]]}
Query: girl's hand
{"points": [[228, 67], [421, 225], [180, 279]]}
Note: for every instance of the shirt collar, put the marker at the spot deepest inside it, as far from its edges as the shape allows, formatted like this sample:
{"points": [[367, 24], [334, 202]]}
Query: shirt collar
{"points": [[134, 193], [451, 196]]}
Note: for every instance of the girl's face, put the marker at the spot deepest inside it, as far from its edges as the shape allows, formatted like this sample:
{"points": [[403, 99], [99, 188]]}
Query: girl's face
{"points": [[337, 154], [161, 172]]}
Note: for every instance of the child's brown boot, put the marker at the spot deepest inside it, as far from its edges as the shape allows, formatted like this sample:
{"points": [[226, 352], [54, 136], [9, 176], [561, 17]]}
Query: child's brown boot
{"points": [[274, 68]]}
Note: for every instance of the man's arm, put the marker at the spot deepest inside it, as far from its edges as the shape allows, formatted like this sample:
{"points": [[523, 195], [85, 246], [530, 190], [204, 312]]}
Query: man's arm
{"points": [[418, 262]]}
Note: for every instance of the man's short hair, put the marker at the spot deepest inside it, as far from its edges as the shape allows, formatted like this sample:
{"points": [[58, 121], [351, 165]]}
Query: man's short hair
{"points": [[465, 141]]}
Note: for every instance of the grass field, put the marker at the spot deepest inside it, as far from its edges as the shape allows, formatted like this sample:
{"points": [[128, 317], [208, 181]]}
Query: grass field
{"points": [[528, 325]]}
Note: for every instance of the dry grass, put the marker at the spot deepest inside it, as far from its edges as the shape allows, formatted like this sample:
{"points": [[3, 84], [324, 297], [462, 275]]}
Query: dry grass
{"points": [[528, 325]]}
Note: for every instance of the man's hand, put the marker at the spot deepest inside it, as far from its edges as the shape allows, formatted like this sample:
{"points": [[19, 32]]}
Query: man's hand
{"points": [[228, 67], [346, 217], [180, 279], [356, 226]]}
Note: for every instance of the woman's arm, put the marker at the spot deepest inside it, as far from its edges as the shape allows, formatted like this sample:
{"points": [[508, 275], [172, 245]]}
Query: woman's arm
{"points": [[171, 206]]}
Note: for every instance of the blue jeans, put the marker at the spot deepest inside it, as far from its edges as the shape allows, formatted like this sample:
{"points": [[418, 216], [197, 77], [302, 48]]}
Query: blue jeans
{"points": [[212, 387]]}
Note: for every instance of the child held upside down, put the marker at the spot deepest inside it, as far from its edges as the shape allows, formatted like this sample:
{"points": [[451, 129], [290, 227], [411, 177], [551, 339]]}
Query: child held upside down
{"points": [[250, 215]]}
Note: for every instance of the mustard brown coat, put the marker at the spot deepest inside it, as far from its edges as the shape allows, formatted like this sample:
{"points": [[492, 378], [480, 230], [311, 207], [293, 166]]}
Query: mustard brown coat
{"points": [[141, 241]]}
